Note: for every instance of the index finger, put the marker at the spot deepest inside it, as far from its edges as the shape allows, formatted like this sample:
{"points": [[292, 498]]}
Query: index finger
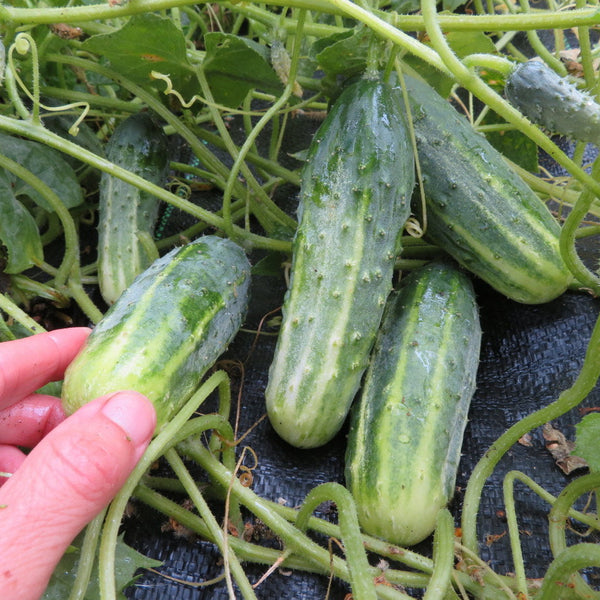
{"points": [[29, 363]]}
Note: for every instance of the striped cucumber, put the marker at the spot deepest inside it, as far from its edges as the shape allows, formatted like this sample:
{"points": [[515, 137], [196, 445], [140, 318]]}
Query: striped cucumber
{"points": [[355, 199], [125, 213], [554, 102], [407, 427], [166, 329], [479, 210]]}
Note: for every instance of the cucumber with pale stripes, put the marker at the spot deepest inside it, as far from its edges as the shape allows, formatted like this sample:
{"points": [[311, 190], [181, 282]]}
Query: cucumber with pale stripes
{"points": [[478, 209], [407, 427], [554, 102], [355, 199], [125, 213], [166, 329]]}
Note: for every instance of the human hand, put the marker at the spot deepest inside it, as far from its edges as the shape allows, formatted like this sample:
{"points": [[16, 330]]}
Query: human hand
{"points": [[77, 464]]}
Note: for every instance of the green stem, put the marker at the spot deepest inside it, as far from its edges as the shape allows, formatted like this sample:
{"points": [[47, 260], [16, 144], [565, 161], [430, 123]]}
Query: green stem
{"points": [[566, 563], [513, 532], [363, 587], [20, 316], [558, 518], [568, 235], [79, 295], [291, 536], [87, 556], [271, 217], [554, 19], [443, 554], [568, 399], [47, 137], [157, 447], [216, 532], [200, 150], [538, 46], [263, 121]]}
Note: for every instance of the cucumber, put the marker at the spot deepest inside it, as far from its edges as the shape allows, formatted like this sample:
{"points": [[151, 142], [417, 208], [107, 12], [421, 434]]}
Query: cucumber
{"points": [[407, 427], [125, 213], [355, 198], [166, 329], [478, 209], [554, 102]]}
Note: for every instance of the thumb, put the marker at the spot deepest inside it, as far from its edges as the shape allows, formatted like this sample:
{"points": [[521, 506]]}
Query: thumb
{"points": [[67, 479]]}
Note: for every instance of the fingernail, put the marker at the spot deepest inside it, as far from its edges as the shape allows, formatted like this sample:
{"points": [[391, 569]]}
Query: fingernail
{"points": [[134, 414]]}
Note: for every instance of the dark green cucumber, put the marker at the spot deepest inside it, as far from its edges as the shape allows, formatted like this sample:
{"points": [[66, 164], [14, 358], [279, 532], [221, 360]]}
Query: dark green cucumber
{"points": [[355, 199], [125, 213], [554, 102], [166, 329], [478, 209], [407, 427]]}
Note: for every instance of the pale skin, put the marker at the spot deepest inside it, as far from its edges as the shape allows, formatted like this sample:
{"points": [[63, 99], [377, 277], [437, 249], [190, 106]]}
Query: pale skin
{"points": [[77, 464]]}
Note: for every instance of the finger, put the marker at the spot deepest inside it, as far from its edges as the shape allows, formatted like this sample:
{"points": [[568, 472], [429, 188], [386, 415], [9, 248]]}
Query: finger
{"points": [[28, 421], [11, 459], [66, 480], [29, 363]]}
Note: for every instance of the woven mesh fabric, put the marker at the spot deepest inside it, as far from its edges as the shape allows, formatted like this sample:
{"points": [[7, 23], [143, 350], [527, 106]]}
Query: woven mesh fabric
{"points": [[529, 355]]}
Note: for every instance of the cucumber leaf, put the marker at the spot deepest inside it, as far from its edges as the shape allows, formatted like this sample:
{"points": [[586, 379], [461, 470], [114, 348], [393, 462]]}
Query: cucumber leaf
{"points": [[47, 164], [587, 433], [127, 562], [147, 42], [18, 231], [344, 53], [513, 144], [234, 65]]}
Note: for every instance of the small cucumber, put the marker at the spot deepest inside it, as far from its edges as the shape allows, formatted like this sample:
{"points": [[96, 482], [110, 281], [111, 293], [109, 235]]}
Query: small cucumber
{"points": [[478, 209], [554, 102], [355, 199], [125, 213], [166, 329], [407, 427]]}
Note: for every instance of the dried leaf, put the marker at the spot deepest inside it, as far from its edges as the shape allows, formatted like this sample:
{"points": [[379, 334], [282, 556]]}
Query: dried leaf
{"points": [[562, 450]]}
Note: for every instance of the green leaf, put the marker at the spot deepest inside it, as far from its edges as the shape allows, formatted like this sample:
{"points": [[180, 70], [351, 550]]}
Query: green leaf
{"points": [[127, 562], [470, 42], [343, 53], [513, 144], [147, 42], [18, 231], [452, 5], [270, 265], [233, 66], [587, 434], [45, 163]]}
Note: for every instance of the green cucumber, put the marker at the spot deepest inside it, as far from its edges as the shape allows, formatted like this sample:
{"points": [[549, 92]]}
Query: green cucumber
{"points": [[125, 213], [478, 209], [554, 102], [166, 329], [355, 198], [407, 427]]}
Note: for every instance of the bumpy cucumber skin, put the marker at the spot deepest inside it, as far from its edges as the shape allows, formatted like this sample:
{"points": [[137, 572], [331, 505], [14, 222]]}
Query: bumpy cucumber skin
{"points": [[355, 199], [552, 101], [139, 145], [407, 428], [166, 329], [479, 210]]}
